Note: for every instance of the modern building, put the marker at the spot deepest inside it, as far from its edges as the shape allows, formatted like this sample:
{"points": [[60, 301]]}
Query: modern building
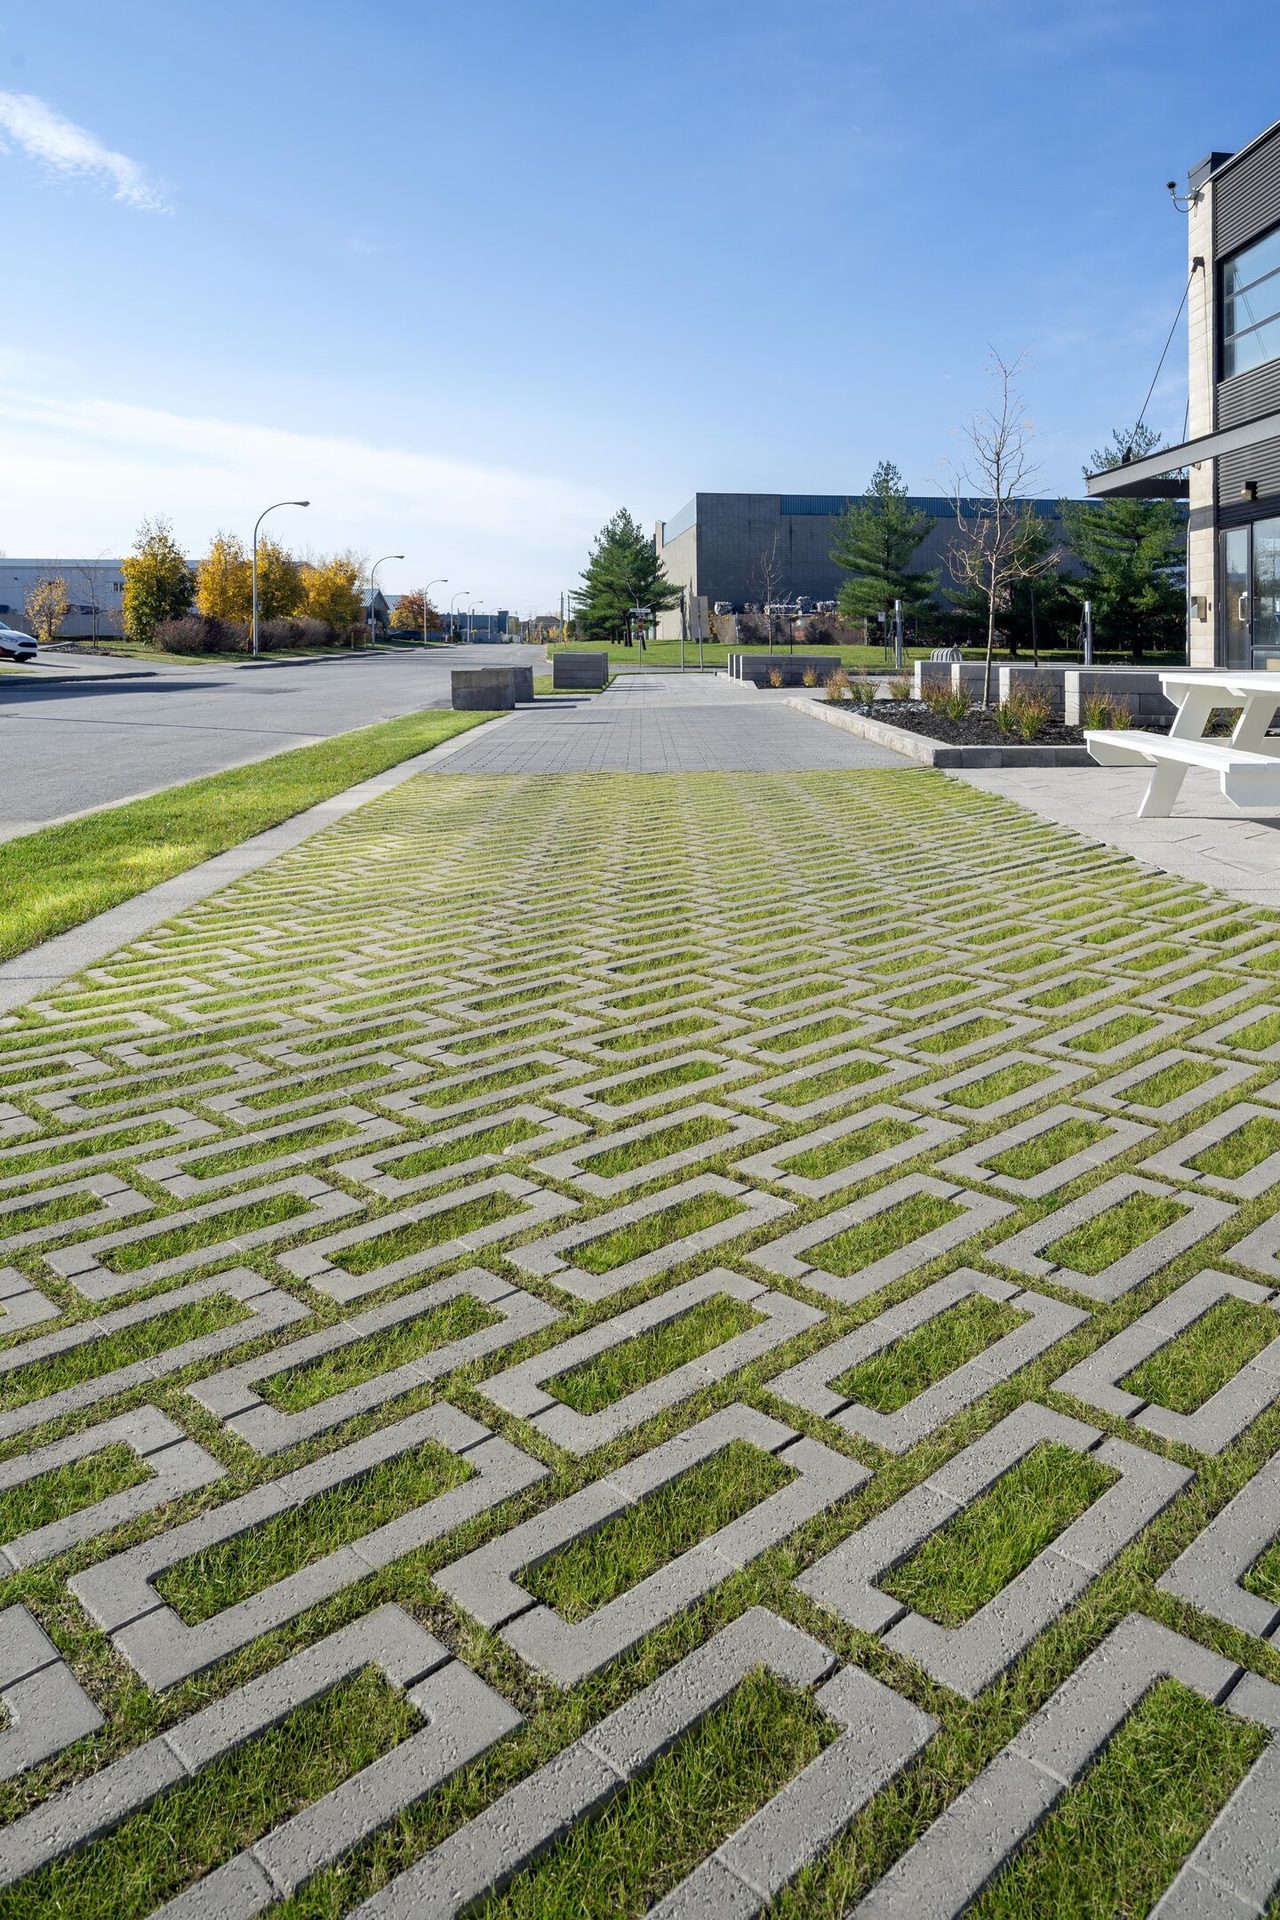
{"points": [[94, 587], [741, 549], [478, 627], [1229, 468]]}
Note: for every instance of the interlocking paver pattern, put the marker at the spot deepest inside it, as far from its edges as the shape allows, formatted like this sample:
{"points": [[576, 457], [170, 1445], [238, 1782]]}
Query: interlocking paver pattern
{"points": [[374, 1105]]}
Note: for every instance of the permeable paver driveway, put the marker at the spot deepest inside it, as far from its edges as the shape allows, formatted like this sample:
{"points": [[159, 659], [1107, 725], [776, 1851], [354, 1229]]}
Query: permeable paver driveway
{"points": [[666, 723], [594, 1346]]}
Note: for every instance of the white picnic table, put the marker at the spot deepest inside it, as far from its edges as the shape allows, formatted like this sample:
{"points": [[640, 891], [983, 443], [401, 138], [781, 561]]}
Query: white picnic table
{"points": [[1248, 764]]}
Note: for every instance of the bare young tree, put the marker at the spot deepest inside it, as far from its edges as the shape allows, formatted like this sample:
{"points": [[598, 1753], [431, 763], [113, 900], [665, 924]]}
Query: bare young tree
{"points": [[767, 575], [90, 580], [999, 540]]}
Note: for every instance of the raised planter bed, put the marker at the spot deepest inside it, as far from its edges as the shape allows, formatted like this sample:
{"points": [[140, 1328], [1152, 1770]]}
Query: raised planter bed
{"points": [[936, 742]]}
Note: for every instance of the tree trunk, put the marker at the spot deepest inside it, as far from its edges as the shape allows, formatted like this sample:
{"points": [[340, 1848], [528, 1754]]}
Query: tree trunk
{"points": [[991, 640]]}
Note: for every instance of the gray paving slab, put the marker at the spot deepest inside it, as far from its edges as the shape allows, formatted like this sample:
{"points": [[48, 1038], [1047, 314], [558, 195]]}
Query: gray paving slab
{"points": [[668, 723]]}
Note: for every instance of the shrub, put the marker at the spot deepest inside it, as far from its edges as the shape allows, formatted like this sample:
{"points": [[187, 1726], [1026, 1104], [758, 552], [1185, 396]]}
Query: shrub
{"points": [[1006, 718], [864, 690], [836, 686], [197, 633], [809, 677], [1100, 710], [775, 676], [296, 635], [935, 694], [1033, 714], [954, 704], [901, 687]]}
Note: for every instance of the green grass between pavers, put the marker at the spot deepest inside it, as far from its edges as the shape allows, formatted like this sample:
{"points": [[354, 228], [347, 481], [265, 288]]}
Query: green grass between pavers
{"points": [[683, 1026], [966, 1034], [1110, 1235], [677, 1138], [1242, 1150], [1115, 1841], [65, 1207], [1263, 1577], [211, 1231], [222, 1575], [648, 1356], [120, 1349], [618, 1864], [1183, 1374], [1045, 1150], [231, 1158], [480, 1088], [62, 876], [225, 1808], [1195, 993], [876, 1137], [318, 1380], [382, 1248], [1170, 1083], [1000, 1084], [883, 1233], [654, 1231], [888, 1380], [316, 1086], [809, 1034], [65, 1490], [56, 1153], [1259, 1035], [509, 1133], [973, 1557], [1064, 993], [1113, 1033], [817, 1085], [662, 1080], [657, 1529]]}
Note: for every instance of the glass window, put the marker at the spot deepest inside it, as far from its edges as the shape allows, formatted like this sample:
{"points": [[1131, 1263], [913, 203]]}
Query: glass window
{"points": [[1251, 306]]}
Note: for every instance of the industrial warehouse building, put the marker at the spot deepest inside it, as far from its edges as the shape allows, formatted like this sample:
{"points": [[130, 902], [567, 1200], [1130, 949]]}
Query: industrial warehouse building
{"points": [[715, 546], [1229, 468]]}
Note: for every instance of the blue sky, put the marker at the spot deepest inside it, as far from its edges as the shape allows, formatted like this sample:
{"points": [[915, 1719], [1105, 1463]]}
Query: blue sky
{"points": [[471, 276]]}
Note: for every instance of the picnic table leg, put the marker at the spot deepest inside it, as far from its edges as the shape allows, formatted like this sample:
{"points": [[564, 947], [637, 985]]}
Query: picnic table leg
{"points": [[1162, 791], [1192, 717], [1250, 732]]}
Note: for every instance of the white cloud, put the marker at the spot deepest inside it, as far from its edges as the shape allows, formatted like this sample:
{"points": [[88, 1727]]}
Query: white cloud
{"points": [[91, 469], [48, 136]]}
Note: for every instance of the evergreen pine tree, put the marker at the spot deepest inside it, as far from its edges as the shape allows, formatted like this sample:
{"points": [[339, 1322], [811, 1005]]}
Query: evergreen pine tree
{"points": [[623, 572], [877, 538], [1134, 558]]}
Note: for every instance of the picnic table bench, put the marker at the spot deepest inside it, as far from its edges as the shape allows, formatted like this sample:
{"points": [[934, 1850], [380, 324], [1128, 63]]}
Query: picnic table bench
{"points": [[1247, 765]]}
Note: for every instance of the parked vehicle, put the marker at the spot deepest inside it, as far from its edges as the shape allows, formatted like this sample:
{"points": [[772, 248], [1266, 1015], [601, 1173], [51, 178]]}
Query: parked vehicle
{"points": [[15, 645]]}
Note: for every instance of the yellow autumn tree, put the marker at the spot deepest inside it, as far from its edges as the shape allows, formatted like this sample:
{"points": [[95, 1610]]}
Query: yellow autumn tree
{"points": [[223, 580], [408, 612], [280, 589], [331, 590], [48, 605]]}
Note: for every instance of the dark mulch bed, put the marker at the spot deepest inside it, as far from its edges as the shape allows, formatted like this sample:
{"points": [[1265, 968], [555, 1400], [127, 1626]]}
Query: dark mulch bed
{"points": [[977, 729]]}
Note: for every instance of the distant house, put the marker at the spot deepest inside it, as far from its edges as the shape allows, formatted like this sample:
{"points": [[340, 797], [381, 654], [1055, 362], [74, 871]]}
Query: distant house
{"points": [[95, 589]]}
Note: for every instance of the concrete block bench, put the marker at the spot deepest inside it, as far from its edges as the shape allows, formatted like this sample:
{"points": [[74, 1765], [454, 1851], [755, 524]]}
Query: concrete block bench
{"points": [[583, 672], [490, 689]]}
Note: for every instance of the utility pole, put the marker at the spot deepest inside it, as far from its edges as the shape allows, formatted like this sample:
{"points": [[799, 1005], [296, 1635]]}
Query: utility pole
{"points": [[1086, 631], [897, 636]]}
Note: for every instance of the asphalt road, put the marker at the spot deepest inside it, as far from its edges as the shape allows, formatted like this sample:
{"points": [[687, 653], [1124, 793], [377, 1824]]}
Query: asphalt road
{"points": [[68, 747]]}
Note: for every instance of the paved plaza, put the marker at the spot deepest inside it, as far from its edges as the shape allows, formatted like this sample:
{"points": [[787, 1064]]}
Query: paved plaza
{"points": [[584, 1345], [666, 723]]}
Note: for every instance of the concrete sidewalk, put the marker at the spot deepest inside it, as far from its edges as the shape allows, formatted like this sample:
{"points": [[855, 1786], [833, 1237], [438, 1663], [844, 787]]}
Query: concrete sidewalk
{"points": [[1204, 839], [667, 723]]}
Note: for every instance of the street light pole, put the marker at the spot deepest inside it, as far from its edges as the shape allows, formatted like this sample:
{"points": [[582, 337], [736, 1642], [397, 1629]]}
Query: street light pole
{"points": [[475, 607], [373, 585], [453, 611], [441, 580], [253, 624]]}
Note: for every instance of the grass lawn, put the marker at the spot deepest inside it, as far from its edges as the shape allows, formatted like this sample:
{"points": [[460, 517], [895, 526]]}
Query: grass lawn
{"points": [[62, 876]]}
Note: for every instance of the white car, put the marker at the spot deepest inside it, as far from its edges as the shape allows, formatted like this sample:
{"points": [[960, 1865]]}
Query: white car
{"points": [[15, 645]]}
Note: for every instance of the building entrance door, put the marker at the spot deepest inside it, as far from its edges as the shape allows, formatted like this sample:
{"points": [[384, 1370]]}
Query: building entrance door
{"points": [[1266, 592], [1236, 624]]}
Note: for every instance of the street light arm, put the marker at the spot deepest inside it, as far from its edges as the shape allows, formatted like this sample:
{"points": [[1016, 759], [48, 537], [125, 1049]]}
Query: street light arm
{"points": [[253, 609]]}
